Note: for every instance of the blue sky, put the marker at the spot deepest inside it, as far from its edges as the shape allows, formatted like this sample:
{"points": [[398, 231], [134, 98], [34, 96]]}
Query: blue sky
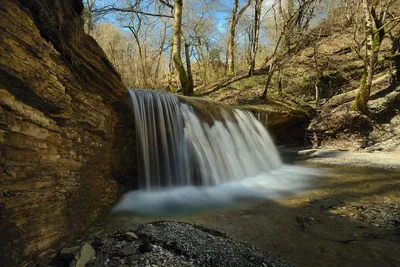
{"points": [[221, 15]]}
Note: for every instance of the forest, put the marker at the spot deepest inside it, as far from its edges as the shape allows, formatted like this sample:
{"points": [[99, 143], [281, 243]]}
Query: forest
{"points": [[311, 50]]}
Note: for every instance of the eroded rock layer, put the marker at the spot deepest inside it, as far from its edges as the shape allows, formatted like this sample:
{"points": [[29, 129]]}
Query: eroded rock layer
{"points": [[57, 91]]}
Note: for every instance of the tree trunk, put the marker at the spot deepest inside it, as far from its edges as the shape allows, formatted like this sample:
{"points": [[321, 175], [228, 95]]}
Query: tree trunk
{"points": [[280, 83], [181, 73], [374, 39], [189, 70], [171, 70], [396, 60], [282, 18], [249, 37], [268, 83], [141, 57], [318, 74], [157, 70], [88, 16], [256, 30], [235, 16], [317, 90], [231, 39]]}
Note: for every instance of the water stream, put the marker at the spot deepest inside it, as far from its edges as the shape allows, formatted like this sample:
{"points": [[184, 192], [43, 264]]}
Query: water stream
{"points": [[190, 164]]}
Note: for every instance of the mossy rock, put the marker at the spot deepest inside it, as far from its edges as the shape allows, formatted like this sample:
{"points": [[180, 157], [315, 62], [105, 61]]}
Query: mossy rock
{"points": [[209, 111]]}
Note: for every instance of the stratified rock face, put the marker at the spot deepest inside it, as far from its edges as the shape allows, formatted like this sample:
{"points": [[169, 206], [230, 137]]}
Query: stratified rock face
{"points": [[56, 127]]}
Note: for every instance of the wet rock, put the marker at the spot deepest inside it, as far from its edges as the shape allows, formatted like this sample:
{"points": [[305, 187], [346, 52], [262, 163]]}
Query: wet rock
{"points": [[97, 243], [304, 221], [85, 254], [130, 236], [127, 251], [145, 247]]}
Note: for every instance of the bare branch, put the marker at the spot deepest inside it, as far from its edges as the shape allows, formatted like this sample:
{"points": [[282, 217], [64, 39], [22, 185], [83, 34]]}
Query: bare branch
{"points": [[242, 10], [167, 4], [128, 10]]}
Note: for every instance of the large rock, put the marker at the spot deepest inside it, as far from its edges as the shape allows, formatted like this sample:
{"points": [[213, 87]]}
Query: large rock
{"points": [[85, 254], [57, 128], [337, 126], [285, 121]]}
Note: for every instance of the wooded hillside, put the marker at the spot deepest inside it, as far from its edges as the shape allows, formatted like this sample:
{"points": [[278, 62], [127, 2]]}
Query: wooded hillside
{"points": [[253, 50]]}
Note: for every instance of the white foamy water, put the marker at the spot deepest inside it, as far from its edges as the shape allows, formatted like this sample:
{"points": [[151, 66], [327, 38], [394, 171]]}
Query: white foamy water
{"points": [[189, 165], [187, 200]]}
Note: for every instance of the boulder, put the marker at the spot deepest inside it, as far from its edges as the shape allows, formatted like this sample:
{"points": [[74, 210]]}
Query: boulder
{"points": [[84, 255]]}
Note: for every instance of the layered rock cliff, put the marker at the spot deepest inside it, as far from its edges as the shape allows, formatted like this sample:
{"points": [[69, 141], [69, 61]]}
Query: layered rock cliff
{"points": [[57, 127]]}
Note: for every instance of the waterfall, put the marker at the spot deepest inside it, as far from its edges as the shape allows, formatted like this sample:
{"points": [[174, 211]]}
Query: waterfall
{"points": [[190, 162], [163, 151], [228, 150]]}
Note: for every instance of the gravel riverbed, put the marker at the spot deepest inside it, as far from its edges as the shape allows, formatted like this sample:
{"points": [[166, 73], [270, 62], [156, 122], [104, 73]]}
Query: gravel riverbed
{"points": [[376, 159], [164, 243]]}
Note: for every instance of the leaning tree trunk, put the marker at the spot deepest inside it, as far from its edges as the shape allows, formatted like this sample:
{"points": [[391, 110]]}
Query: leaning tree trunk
{"points": [[181, 73], [373, 43], [269, 79], [272, 62]]}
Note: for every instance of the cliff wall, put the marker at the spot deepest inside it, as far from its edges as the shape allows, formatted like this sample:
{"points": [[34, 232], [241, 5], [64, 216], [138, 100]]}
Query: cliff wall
{"points": [[58, 94]]}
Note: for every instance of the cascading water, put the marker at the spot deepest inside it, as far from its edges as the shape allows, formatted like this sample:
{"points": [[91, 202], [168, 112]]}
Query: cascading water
{"points": [[189, 164], [161, 140], [229, 150]]}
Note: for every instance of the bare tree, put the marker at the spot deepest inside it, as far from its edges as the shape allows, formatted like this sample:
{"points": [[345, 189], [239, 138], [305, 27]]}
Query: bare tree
{"points": [[135, 29], [256, 32], [160, 52], [90, 18], [293, 24], [177, 43], [376, 27], [233, 21]]}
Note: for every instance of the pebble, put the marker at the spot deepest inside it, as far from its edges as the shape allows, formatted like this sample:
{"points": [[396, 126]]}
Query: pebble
{"points": [[127, 251], [130, 236]]}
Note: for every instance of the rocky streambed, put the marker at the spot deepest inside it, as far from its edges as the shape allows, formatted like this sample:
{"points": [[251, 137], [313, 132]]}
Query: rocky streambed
{"points": [[348, 217], [161, 243]]}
